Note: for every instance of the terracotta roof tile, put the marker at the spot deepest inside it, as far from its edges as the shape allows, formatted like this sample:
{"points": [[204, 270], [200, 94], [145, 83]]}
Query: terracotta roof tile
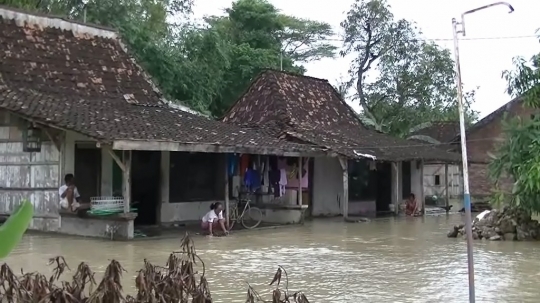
{"points": [[87, 83], [310, 109], [444, 131]]}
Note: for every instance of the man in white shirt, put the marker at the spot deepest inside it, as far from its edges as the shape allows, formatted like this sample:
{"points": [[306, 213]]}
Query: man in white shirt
{"points": [[69, 195]]}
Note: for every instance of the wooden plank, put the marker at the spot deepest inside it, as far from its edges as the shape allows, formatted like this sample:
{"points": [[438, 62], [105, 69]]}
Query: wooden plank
{"points": [[116, 158], [213, 148]]}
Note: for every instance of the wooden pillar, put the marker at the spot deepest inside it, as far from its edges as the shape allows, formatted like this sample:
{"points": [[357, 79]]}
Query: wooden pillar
{"points": [[345, 203], [299, 200], [127, 181], [446, 187], [227, 206], [422, 188], [396, 186]]}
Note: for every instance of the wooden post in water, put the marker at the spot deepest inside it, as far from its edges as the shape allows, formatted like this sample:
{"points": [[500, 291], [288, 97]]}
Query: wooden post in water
{"points": [[127, 180], [299, 201], [422, 194], [227, 206], [397, 192], [345, 203], [446, 186]]}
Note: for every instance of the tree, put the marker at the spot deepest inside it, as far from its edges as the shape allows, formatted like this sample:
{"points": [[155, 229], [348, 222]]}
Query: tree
{"points": [[414, 82], [260, 37], [518, 156]]}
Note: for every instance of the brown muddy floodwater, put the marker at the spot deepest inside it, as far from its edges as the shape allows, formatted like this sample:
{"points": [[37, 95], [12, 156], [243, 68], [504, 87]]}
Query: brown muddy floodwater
{"points": [[392, 260]]}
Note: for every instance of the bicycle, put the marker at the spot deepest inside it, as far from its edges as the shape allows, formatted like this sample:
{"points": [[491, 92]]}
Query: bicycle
{"points": [[250, 217]]}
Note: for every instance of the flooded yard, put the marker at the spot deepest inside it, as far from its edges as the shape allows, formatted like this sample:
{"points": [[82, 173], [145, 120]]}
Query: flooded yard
{"points": [[390, 260]]}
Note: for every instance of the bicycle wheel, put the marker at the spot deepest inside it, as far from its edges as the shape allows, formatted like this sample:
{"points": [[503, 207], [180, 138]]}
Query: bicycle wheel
{"points": [[232, 219], [252, 217]]}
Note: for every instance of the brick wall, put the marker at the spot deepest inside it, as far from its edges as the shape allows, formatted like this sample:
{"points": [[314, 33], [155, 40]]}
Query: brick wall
{"points": [[485, 139]]}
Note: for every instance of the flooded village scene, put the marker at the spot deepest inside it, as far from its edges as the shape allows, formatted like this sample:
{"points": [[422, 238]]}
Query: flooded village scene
{"points": [[161, 151]]}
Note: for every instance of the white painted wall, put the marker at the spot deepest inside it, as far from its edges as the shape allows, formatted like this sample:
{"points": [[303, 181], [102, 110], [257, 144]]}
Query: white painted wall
{"points": [[327, 187]]}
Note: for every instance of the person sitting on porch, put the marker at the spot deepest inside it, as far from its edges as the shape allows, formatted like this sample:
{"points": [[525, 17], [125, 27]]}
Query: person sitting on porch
{"points": [[214, 219], [69, 195], [411, 208]]}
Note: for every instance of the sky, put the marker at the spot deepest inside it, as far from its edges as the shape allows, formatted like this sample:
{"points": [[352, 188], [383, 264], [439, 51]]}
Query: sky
{"points": [[485, 53]]}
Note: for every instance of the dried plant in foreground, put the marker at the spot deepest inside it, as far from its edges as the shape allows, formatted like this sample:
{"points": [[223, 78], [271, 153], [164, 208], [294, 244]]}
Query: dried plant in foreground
{"points": [[279, 295], [178, 281]]}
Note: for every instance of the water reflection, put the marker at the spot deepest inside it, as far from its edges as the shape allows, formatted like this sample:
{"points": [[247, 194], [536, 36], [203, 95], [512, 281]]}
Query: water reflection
{"points": [[392, 260]]}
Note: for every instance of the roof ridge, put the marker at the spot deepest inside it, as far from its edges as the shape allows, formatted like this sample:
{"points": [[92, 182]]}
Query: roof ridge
{"points": [[25, 17], [290, 73]]}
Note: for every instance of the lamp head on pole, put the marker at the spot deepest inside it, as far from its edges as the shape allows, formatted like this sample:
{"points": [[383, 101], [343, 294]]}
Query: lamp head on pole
{"points": [[482, 8]]}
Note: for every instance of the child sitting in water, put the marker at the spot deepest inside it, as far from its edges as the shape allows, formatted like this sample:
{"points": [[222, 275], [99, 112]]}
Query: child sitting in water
{"points": [[411, 207], [214, 219]]}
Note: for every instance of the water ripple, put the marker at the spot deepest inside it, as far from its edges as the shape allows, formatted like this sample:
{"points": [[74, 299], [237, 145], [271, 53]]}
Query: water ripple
{"points": [[393, 260]]}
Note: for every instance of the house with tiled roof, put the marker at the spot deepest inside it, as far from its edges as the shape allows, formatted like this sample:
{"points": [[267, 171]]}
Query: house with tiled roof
{"points": [[309, 111], [72, 100], [483, 138]]}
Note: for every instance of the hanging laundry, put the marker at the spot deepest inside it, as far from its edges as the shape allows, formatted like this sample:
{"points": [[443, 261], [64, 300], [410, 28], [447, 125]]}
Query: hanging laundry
{"points": [[232, 164], [282, 181], [244, 164]]}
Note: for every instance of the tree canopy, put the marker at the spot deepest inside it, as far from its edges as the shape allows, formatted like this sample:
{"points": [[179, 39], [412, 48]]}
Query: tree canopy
{"points": [[413, 79], [518, 156]]}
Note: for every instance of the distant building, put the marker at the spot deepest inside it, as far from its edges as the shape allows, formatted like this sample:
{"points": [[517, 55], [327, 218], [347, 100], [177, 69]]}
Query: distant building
{"points": [[482, 139]]}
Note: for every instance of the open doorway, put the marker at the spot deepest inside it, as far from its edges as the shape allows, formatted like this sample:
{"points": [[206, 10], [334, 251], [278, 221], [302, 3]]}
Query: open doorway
{"points": [[145, 185], [87, 170], [384, 187]]}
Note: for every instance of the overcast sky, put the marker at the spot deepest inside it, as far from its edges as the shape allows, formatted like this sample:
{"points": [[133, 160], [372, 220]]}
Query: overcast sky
{"points": [[482, 60]]}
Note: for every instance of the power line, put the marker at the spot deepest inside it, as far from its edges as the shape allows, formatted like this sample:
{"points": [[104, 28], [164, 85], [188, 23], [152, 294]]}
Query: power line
{"points": [[462, 39]]}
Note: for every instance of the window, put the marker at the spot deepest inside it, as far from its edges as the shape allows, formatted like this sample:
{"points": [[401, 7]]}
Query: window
{"points": [[361, 181], [533, 116], [437, 180], [196, 177]]}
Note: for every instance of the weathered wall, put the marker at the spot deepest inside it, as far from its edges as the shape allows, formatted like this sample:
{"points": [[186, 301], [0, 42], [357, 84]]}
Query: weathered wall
{"points": [[327, 187], [328, 191], [455, 186], [178, 211], [32, 176], [68, 166], [484, 140]]}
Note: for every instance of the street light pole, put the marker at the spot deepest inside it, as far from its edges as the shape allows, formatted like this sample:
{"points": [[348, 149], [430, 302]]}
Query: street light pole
{"points": [[466, 192]]}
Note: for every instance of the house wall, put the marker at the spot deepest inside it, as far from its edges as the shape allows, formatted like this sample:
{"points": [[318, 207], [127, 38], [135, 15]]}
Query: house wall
{"points": [[484, 140], [31, 176], [37, 176], [455, 186], [179, 211], [328, 191], [71, 139]]}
